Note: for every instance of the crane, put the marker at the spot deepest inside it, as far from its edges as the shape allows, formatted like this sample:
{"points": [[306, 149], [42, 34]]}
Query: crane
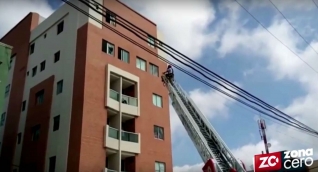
{"points": [[205, 138]]}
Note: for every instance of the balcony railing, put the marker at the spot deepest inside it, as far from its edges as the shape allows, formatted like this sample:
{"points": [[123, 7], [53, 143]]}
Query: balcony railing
{"points": [[125, 99], [129, 137], [125, 136], [114, 94], [113, 133], [129, 100]]}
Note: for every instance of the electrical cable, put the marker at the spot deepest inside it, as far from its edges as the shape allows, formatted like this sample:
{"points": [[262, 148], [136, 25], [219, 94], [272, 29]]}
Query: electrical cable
{"points": [[315, 3], [292, 26], [151, 52], [145, 34], [275, 36]]}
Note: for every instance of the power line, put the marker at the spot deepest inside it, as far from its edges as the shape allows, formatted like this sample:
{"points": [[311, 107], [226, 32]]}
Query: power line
{"points": [[315, 3], [188, 73], [275, 36], [93, 4], [292, 25]]}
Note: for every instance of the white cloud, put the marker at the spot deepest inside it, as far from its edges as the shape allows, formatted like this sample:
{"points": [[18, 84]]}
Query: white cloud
{"points": [[183, 25], [258, 43], [17, 10], [188, 168]]}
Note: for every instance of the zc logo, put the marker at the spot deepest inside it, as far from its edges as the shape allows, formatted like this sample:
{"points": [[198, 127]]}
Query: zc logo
{"points": [[283, 160], [267, 162]]}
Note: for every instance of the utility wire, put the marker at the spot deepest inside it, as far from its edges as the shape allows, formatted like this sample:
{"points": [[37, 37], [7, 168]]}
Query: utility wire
{"points": [[97, 5], [93, 4], [275, 36], [292, 26], [315, 3], [188, 73]]}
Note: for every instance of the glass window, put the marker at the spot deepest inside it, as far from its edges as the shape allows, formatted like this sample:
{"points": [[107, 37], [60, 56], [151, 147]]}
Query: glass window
{"points": [[59, 88], [151, 41], [160, 167], [141, 64], [159, 132], [123, 55], [154, 70], [108, 48], [157, 100]]}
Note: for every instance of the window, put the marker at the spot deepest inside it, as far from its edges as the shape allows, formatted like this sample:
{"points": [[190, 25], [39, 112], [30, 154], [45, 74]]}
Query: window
{"points": [[56, 123], [108, 47], [39, 97], [23, 105], [42, 66], [59, 88], [123, 55], [154, 70], [160, 167], [6, 94], [32, 48], [28, 73], [34, 71], [3, 118], [52, 164], [141, 64], [158, 132], [111, 18], [36, 132], [157, 100], [151, 41], [57, 56], [60, 27], [19, 138]]}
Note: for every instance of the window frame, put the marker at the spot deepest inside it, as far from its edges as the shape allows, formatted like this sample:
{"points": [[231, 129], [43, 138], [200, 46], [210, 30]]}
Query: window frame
{"points": [[39, 97], [157, 130], [59, 87], [7, 90], [155, 103], [159, 166], [56, 123], [120, 54], [52, 161], [152, 66], [32, 47], [23, 106], [138, 63], [42, 66], [34, 71], [19, 137], [35, 135], [105, 47], [3, 119], [151, 41], [60, 27], [57, 56], [109, 16]]}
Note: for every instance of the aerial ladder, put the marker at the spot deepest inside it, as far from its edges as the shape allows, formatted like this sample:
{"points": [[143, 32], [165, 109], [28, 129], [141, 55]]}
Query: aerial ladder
{"points": [[205, 138]]}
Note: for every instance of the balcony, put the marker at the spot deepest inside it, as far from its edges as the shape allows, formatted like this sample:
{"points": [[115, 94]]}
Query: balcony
{"points": [[129, 101], [130, 142]]}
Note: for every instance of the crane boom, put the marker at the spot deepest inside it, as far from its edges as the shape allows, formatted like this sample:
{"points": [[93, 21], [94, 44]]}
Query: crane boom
{"points": [[205, 138]]}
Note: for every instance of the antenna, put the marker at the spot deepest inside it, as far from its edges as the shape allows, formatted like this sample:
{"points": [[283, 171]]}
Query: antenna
{"points": [[262, 128]]}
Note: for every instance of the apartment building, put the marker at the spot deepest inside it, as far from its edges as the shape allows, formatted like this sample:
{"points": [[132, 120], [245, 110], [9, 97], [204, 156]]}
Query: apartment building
{"points": [[83, 98]]}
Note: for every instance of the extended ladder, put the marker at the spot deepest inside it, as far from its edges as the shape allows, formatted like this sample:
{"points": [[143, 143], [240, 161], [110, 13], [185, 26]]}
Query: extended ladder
{"points": [[205, 138]]}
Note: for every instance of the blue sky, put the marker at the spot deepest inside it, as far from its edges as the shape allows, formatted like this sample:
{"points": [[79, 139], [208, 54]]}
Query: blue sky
{"points": [[239, 127], [230, 42]]}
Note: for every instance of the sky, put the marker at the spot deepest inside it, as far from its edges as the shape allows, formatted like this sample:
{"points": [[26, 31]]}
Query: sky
{"points": [[227, 40]]}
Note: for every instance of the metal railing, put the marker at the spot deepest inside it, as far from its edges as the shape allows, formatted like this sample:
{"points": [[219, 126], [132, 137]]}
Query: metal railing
{"points": [[125, 136], [125, 99]]}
